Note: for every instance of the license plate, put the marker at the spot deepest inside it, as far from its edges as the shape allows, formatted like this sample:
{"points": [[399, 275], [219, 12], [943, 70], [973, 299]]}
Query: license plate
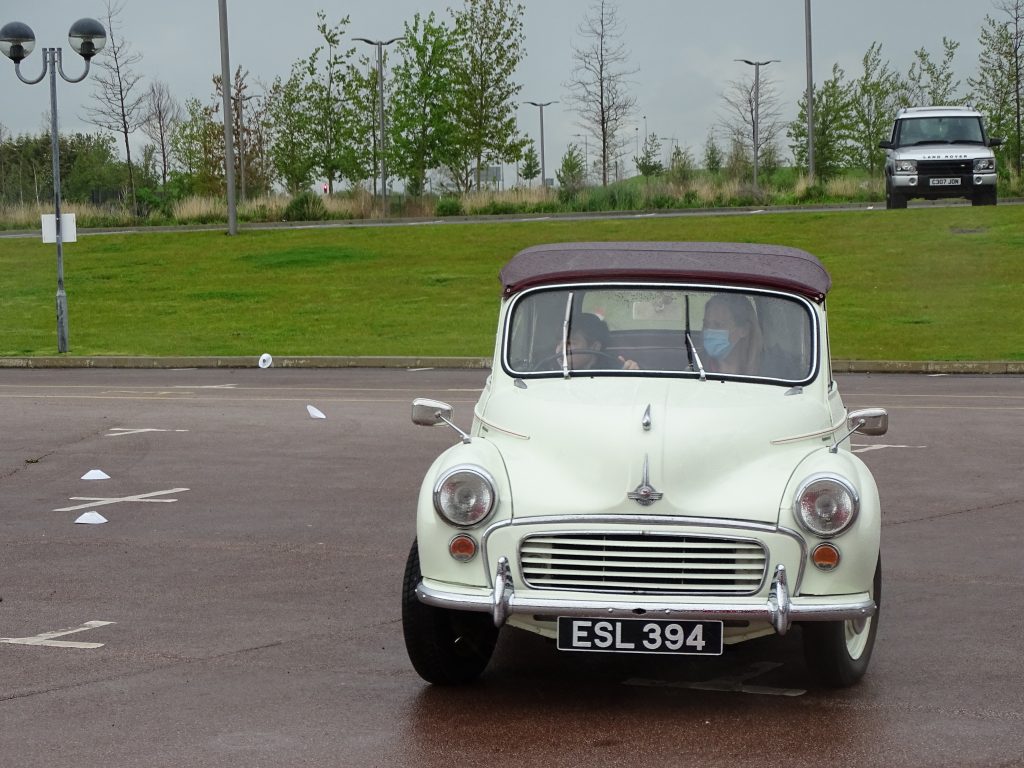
{"points": [[690, 638], [945, 182]]}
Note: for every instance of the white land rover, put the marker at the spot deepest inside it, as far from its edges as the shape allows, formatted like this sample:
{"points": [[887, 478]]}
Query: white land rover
{"points": [[936, 152]]}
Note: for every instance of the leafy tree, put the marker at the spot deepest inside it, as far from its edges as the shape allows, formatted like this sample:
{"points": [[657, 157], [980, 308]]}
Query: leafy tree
{"points": [[328, 109], [362, 145], [997, 84], [833, 127], [599, 88], [680, 167], [489, 45], [197, 146], [572, 175], [876, 97], [292, 154], [422, 101], [931, 83], [649, 163], [530, 168], [713, 157]]}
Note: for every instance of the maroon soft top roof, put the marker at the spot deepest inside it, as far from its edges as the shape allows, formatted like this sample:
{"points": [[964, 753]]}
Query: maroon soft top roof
{"points": [[770, 266]]}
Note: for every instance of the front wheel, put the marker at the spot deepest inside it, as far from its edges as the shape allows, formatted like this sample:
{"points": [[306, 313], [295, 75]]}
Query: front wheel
{"points": [[894, 199], [838, 652], [445, 647], [987, 197]]}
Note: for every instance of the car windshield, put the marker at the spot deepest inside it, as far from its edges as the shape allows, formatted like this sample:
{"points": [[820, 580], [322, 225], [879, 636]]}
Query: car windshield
{"points": [[939, 130], [661, 330]]}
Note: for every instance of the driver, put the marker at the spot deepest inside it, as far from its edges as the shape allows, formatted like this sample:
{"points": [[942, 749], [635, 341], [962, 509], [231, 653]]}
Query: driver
{"points": [[588, 339]]}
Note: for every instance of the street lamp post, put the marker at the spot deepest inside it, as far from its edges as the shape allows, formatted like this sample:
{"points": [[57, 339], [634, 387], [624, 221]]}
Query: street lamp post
{"points": [[229, 129], [87, 37], [380, 88], [810, 93], [757, 103], [541, 105]]}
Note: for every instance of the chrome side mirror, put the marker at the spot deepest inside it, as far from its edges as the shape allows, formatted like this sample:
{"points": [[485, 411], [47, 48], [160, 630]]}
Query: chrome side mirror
{"points": [[868, 421], [430, 413]]}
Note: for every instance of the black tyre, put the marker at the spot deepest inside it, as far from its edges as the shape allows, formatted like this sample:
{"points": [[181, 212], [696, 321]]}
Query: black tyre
{"points": [[894, 199], [838, 652], [445, 647], [984, 198]]}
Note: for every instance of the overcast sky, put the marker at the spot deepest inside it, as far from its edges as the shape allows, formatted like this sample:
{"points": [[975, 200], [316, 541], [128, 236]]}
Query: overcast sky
{"points": [[683, 50]]}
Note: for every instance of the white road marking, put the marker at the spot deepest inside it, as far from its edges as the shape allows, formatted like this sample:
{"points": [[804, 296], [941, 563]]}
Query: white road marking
{"points": [[863, 448], [207, 386], [729, 683], [47, 638], [119, 431], [94, 501]]}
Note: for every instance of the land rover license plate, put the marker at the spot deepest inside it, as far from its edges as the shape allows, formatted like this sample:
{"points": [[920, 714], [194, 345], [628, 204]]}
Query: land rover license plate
{"points": [[945, 182], [692, 638]]}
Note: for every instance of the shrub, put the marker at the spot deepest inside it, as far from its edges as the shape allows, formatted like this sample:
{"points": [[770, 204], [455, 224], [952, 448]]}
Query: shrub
{"points": [[449, 206], [305, 206]]}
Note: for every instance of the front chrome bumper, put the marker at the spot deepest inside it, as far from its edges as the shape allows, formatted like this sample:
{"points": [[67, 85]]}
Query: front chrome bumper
{"points": [[780, 609]]}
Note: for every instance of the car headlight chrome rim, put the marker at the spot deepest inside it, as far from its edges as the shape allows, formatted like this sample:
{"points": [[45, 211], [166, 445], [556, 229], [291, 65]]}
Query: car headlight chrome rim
{"points": [[465, 495], [826, 505]]}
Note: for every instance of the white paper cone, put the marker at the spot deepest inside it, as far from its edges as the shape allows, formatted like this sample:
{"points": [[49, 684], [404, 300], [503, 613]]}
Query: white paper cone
{"points": [[95, 474], [91, 518], [266, 360], [315, 413]]}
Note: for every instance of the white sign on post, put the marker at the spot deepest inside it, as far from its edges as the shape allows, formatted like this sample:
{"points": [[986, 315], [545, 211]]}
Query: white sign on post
{"points": [[68, 228]]}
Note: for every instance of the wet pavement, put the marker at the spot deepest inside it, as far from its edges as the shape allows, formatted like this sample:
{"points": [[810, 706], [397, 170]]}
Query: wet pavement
{"points": [[244, 595]]}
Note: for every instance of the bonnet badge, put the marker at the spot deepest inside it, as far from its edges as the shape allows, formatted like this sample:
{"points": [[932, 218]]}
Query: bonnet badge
{"points": [[645, 494]]}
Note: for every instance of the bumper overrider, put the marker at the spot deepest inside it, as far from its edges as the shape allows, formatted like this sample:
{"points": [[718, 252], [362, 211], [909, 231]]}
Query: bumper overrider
{"points": [[780, 609]]}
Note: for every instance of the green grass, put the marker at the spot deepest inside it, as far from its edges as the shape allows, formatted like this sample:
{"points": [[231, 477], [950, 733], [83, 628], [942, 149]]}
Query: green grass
{"points": [[922, 284]]}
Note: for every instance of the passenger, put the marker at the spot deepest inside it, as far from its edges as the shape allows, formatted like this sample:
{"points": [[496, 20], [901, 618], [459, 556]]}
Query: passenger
{"points": [[732, 335], [588, 339]]}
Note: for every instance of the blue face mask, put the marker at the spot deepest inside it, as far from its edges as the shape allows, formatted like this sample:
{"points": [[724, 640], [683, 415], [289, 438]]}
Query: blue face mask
{"points": [[716, 343]]}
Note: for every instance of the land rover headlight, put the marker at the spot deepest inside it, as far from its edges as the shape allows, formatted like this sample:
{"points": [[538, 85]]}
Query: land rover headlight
{"points": [[906, 166], [465, 495], [826, 505], [985, 164]]}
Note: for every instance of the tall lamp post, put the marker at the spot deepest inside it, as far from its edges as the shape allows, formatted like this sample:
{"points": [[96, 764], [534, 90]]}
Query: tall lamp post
{"points": [[380, 88], [757, 103], [810, 93], [87, 37], [541, 105]]}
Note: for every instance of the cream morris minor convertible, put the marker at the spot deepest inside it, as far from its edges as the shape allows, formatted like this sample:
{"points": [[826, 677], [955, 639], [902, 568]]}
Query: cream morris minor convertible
{"points": [[658, 463]]}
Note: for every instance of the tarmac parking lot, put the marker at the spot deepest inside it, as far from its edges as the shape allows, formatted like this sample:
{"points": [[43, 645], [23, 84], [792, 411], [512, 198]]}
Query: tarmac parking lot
{"points": [[240, 605]]}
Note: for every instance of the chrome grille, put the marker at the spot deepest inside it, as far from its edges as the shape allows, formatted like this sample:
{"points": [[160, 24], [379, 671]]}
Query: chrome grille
{"points": [[643, 564]]}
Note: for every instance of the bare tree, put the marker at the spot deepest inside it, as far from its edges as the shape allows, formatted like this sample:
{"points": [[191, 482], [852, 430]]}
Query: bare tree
{"points": [[162, 114], [121, 107], [745, 104], [599, 88]]}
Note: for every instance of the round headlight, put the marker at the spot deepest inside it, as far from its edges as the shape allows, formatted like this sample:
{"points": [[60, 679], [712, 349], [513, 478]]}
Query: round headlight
{"points": [[465, 496], [825, 505]]}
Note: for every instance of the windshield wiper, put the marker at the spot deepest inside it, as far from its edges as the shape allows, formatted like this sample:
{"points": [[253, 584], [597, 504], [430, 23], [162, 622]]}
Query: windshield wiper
{"points": [[691, 348], [565, 336]]}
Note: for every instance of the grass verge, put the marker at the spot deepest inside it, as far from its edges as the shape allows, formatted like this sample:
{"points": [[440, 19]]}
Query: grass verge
{"points": [[921, 284]]}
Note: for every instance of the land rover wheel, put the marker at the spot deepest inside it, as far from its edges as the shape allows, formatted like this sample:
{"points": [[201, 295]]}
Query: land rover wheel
{"points": [[986, 197], [894, 199], [445, 647], [838, 652]]}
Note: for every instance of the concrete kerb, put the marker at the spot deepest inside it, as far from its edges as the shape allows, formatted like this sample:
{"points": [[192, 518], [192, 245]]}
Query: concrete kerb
{"points": [[995, 367]]}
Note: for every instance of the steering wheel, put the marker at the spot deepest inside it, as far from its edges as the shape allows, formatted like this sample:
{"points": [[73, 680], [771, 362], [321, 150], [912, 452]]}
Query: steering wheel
{"points": [[554, 362]]}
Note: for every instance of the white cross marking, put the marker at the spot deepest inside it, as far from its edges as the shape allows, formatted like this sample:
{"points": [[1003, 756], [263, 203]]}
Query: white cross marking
{"points": [[47, 638], [865, 448], [99, 501], [118, 431]]}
